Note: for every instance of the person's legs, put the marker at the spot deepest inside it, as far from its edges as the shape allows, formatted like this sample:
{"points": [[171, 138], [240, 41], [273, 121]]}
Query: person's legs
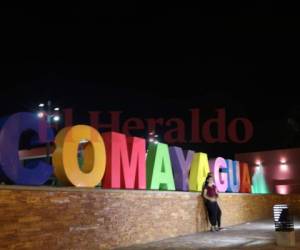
{"points": [[212, 212], [219, 215]]}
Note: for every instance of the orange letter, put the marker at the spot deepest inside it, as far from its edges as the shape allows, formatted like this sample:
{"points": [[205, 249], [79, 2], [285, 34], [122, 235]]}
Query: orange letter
{"points": [[65, 159], [245, 178]]}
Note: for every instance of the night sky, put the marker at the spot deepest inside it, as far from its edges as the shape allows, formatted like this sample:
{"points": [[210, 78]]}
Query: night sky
{"points": [[157, 60]]}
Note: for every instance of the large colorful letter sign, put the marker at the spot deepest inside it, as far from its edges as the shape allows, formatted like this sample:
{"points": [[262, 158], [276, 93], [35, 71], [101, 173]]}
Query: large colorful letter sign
{"points": [[198, 172], [219, 169], [181, 166], [159, 169], [259, 183], [36, 173], [120, 160], [233, 168], [126, 162], [65, 157], [245, 178]]}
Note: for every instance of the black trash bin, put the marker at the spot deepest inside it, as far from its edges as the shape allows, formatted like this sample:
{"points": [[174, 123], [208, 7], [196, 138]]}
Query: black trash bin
{"points": [[284, 225]]}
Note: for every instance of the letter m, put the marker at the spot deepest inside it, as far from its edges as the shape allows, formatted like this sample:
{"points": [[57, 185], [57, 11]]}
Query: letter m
{"points": [[126, 163]]}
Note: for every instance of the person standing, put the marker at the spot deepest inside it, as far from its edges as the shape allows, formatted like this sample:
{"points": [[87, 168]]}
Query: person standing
{"points": [[211, 195]]}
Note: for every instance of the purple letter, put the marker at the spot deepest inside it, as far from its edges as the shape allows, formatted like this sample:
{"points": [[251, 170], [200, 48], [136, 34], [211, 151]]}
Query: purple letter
{"points": [[35, 173], [218, 167], [181, 165]]}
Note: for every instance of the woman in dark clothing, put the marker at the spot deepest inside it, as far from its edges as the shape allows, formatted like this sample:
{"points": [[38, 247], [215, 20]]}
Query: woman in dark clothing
{"points": [[211, 195]]}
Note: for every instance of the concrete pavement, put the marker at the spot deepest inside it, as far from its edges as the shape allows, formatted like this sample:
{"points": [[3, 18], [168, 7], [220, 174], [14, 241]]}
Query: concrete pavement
{"points": [[259, 235]]}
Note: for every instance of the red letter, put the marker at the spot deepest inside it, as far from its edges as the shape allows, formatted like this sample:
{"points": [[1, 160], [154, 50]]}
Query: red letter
{"points": [[115, 121], [232, 133], [195, 126], [178, 131], [126, 163], [152, 123], [68, 117], [137, 125], [221, 123]]}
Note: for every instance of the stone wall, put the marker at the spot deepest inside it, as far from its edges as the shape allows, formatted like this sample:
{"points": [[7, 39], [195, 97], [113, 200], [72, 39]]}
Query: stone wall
{"points": [[72, 218]]}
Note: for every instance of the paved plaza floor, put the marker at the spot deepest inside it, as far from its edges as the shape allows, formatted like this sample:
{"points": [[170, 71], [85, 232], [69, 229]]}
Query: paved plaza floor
{"points": [[255, 235]]}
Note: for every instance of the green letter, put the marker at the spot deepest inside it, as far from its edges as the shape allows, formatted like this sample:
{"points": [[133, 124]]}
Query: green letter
{"points": [[159, 169]]}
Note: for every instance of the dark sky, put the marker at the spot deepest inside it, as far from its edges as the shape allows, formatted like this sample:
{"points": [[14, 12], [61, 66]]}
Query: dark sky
{"points": [[155, 60]]}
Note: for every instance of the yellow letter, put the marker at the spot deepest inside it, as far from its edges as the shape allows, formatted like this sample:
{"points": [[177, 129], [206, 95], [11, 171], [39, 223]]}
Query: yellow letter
{"points": [[198, 172]]}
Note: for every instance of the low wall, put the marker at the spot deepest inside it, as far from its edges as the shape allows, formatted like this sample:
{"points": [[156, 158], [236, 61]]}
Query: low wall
{"points": [[72, 218]]}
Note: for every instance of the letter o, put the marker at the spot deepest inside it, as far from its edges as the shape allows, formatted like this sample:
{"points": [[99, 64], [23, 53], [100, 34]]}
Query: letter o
{"points": [[65, 160], [248, 128]]}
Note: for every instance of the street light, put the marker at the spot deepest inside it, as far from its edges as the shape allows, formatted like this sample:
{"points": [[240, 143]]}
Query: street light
{"points": [[56, 118], [153, 138], [41, 114], [51, 115]]}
